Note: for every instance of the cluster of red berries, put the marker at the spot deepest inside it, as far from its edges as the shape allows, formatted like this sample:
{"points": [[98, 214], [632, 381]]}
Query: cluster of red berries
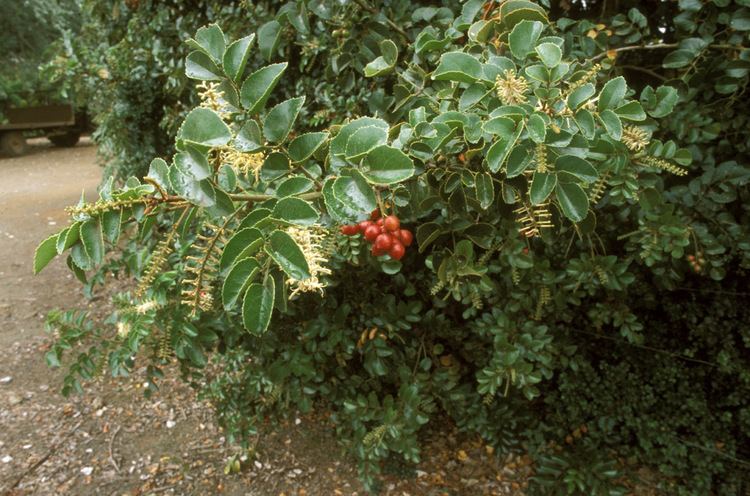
{"points": [[696, 262], [384, 234]]}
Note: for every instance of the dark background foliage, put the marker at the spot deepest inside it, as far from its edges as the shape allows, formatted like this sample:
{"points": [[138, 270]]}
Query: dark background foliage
{"points": [[644, 354]]}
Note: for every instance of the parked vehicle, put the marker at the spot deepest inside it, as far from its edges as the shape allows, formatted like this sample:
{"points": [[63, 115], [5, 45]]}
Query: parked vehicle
{"points": [[59, 123]]}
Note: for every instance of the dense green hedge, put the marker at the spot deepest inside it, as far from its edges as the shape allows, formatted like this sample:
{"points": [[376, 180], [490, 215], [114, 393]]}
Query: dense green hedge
{"points": [[614, 339]]}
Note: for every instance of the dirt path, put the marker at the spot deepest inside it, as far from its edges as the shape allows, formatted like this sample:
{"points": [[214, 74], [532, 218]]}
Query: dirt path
{"points": [[113, 441]]}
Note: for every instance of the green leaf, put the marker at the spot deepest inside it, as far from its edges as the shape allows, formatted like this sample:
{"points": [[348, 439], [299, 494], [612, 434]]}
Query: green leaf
{"points": [[458, 66], [427, 233], [537, 128], [485, 189], [514, 11], [280, 119], [68, 237], [45, 252], [235, 58], [612, 124], [93, 242], [257, 307], [258, 87], [237, 280], [518, 161], [631, 111], [249, 138], [573, 201], [192, 163], [294, 186], [256, 218], [288, 255], [580, 96], [500, 150], [339, 142], [339, 211], [204, 127], [549, 53], [295, 211], [385, 165], [585, 122], [210, 40], [542, 185], [158, 170], [363, 140], [275, 166], [524, 36], [80, 259], [578, 167], [354, 192], [501, 126], [269, 36], [200, 193], [111, 224], [612, 93], [678, 59], [199, 66], [305, 145], [383, 64], [242, 244], [666, 98]]}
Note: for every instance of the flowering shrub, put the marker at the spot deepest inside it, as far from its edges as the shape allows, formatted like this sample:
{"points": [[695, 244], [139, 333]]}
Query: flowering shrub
{"points": [[530, 175]]}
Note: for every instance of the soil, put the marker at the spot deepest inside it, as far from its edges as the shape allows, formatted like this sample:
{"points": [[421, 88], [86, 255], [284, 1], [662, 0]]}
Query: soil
{"points": [[112, 440]]}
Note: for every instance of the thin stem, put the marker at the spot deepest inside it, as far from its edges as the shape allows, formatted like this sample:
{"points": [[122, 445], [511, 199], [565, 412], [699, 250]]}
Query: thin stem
{"points": [[661, 46], [261, 197], [644, 70]]}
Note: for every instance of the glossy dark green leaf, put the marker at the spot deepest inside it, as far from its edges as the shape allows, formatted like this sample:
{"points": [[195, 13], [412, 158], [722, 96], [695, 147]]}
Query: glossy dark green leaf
{"points": [[93, 242], [612, 93], [199, 66], [257, 306], [581, 95], [258, 87], [585, 122], [237, 280], [355, 193], [549, 53], [523, 38], [612, 124], [192, 163], [363, 140], [68, 237], [485, 189], [210, 40], [296, 211], [500, 150], [45, 252], [305, 145], [204, 127], [236, 55], [458, 66], [280, 119], [573, 201], [631, 111], [542, 185], [518, 161], [242, 244], [294, 185], [578, 167], [288, 255], [537, 128], [269, 36], [385, 165], [158, 170], [427, 233], [385, 62]]}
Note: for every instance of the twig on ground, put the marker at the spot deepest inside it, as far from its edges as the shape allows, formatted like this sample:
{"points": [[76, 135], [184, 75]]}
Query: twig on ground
{"points": [[111, 455]]}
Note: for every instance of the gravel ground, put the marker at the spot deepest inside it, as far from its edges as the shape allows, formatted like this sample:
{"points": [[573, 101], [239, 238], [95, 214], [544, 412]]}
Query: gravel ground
{"points": [[113, 441]]}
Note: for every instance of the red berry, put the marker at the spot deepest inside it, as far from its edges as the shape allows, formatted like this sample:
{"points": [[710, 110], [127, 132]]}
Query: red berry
{"points": [[380, 222], [362, 226], [375, 214], [384, 242], [376, 252], [372, 232], [392, 223], [406, 237], [397, 250], [349, 230]]}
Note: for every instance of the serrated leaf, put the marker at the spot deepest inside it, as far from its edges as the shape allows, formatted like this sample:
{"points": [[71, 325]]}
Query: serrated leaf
{"points": [[524, 36], [573, 201], [631, 111], [295, 211], [339, 142], [192, 163], [355, 193], [485, 189], [612, 93], [580, 96], [258, 86], [542, 185], [204, 127], [386, 165], [427, 233], [514, 11], [68, 237], [578, 167], [210, 40], [363, 140], [458, 66], [612, 124], [111, 224], [249, 138], [199, 66], [341, 213], [518, 161], [585, 122], [200, 193], [537, 128], [385, 62], [242, 244], [255, 218], [499, 151], [237, 281], [158, 170], [257, 306], [305, 145], [280, 119], [269, 36], [45, 252], [288, 255], [549, 53], [236, 55], [93, 242], [294, 186]]}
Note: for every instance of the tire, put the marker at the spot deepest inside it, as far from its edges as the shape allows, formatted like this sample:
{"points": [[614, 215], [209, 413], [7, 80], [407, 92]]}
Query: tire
{"points": [[13, 144], [66, 140]]}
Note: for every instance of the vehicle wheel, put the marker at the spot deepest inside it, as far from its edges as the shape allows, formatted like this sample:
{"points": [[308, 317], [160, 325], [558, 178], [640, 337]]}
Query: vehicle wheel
{"points": [[65, 140], [13, 144]]}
